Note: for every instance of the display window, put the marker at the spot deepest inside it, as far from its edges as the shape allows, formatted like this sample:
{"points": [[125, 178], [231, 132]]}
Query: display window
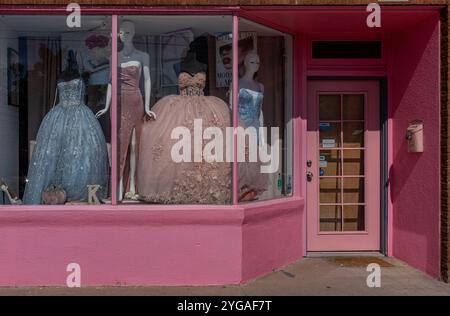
{"points": [[147, 116], [54, 80], [264, 107], [172, 131]]}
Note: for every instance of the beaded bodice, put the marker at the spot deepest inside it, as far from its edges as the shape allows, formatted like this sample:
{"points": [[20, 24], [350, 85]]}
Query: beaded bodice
{"points": [[191, 85], [71, 92]]}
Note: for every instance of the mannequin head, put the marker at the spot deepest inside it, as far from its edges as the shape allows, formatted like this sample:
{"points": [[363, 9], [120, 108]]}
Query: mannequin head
{"points": [[251, 63], [127, 32]]}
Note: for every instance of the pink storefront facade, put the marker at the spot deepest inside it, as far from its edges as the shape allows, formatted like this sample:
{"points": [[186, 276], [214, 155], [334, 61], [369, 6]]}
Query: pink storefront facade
{"points": [[121, 244]]}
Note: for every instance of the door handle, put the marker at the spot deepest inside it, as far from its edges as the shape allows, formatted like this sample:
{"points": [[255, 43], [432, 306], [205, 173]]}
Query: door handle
{"points": [[309, 176]]}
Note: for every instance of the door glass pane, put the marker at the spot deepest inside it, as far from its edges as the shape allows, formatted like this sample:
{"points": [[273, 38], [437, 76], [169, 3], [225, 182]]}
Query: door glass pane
{"points": [[330, 135], [330, 190], [353, 135], [353, 190], [330, 218], [330, 107], [353, 162], [353, 107], [330, 163], [354, 218]]}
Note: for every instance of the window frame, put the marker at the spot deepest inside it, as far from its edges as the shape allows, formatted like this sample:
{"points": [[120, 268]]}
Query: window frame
{"points": [[114, 13]]}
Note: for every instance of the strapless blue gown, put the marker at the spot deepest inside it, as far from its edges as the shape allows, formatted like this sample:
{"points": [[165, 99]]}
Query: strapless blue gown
{"points": [[249, 107], [70, 150]]}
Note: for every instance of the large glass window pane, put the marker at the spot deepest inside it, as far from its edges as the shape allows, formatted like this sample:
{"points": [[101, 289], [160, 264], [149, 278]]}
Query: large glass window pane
{"points": [[54, 79], [265, 111], [174, 117]]}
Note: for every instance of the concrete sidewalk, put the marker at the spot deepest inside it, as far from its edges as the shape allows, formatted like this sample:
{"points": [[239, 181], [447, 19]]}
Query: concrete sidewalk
{"points": [[311, 276]]}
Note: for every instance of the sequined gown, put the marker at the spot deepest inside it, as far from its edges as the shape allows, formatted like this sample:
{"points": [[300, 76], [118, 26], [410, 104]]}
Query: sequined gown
{"points": [[161, 180], [131, 109], [70, 149], [249, 108], [249, 111]]}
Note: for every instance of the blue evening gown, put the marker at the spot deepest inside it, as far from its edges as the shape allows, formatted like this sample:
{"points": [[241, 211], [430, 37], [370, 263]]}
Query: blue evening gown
{"points": [[249, 107], [71, 150]]}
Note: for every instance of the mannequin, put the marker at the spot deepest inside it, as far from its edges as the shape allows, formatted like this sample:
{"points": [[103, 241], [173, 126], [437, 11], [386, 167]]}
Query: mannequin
{"points": [[250, 97], [130, 57], [247, 81], [191, 62]]}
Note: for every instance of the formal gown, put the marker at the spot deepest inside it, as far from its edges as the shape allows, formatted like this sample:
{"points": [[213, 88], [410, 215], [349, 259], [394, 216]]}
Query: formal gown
{"points": [[161, 180], [249, 111], [70, 149], [131, 109]]}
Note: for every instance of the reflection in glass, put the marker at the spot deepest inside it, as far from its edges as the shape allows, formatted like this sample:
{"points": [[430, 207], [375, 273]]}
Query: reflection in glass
{"points": [[354, 190], [353, 107], [354, 218], [330, 135], [353, 134], [329, 107]]}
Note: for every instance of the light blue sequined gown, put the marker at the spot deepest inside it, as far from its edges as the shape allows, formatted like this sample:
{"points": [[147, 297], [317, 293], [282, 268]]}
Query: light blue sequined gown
{"points": [[70, 151], [249, 111]]}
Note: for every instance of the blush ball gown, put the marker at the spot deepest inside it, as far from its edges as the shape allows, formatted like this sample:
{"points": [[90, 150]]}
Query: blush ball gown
{"points": [[161, 180], [70, 149]]}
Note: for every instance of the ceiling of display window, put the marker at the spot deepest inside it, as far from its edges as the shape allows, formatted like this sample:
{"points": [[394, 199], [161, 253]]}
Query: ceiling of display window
{"points": [[341, 19], [34, 25]]}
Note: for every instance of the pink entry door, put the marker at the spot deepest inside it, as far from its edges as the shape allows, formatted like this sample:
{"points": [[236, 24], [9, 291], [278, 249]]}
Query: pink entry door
{"points": [[343, 165]]}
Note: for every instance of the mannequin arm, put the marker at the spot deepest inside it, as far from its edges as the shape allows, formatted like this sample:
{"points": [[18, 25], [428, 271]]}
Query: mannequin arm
{"points": [[148, 87], [108, 102]]}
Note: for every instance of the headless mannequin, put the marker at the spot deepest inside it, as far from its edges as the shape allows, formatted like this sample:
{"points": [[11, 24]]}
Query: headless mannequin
{"points": [[190, 62], [130, 56], [191, 65], [71, 71]]}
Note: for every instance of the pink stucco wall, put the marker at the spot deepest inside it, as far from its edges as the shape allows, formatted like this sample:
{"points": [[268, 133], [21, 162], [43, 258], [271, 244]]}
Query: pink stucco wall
{"points": [[138, 246], [414, 91], [271, 238]]}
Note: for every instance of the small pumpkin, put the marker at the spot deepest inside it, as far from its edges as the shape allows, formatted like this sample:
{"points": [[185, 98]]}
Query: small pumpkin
{"points": [[54, 195]]}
